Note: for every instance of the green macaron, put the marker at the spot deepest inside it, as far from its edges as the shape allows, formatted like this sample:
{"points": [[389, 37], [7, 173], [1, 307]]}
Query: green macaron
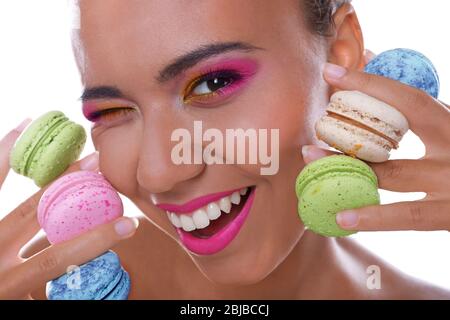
{"points": [[47, 148], [330, 185]]}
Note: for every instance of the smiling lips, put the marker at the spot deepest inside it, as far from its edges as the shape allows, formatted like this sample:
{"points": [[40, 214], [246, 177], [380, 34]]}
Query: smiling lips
{"points": [[198, 213], [197, 222]]}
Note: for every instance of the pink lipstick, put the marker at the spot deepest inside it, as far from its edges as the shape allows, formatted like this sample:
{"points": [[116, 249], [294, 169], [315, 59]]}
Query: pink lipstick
{"points": [[221, 239], [194, 204], [217, 234]]}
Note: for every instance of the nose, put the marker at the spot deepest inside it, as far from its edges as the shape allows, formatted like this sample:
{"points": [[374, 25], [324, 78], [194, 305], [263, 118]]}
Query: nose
{"points": [[157, 172]]}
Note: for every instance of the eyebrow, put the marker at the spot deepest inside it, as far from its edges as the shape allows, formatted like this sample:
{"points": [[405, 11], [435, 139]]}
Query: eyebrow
{"points": [[174, 68], [192, 58], [101, 92]]}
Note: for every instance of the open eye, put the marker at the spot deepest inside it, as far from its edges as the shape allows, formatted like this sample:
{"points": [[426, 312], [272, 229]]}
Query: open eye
{"points": [[211, 84]]}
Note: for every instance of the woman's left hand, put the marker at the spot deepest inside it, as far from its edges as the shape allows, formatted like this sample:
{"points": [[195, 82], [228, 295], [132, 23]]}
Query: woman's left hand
{"points": [[430, 120]]}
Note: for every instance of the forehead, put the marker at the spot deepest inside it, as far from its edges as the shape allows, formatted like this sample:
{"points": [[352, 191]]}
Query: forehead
{"points": [[130, 33]]}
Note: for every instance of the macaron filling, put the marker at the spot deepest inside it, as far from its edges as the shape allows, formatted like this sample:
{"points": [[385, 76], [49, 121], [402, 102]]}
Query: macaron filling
{"points": [[59, 122], [361, 126], [112, 286], [394, 144], [121, 289]]}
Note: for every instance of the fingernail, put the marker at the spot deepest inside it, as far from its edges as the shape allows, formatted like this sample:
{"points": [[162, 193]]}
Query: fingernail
{"points": [[23, 125], [90, 163], [126, 226], [347, 219], [333, 71], [312, 153]]}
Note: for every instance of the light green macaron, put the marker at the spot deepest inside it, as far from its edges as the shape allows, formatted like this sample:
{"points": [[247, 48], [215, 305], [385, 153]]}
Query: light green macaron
{"points": [[330, 185], [47, 148]]}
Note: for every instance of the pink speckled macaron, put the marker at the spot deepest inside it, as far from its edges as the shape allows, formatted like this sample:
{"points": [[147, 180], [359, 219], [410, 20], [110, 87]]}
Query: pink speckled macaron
{"points": [[76, 203]]}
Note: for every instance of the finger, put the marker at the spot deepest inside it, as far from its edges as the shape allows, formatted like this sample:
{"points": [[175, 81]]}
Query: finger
{"points": [[397, 175], [415, 215], [6, 144], [427, 117], [54, 261], [312, 153], [411, 175], [19, 226]]}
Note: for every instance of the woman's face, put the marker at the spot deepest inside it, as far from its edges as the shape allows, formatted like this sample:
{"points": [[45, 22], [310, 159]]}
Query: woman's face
{"points": [[255, 66]]}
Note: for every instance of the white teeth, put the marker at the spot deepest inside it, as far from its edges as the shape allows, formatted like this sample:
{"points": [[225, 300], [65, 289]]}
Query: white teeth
{"points": [[213, 211], [187, 223], [201, 219], [243, 191], [235, 198], [175, 220], [225, 204]]}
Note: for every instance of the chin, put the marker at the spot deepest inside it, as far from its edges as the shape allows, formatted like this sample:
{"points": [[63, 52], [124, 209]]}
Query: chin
{"points": [[236, 271], [252, 264]]}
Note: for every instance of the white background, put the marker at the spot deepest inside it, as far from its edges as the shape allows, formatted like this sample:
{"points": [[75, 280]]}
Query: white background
{"points": [[37, 74]]}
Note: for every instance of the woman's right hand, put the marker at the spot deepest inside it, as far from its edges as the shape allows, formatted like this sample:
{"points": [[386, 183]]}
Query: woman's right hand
{"points": [[19, 277]]}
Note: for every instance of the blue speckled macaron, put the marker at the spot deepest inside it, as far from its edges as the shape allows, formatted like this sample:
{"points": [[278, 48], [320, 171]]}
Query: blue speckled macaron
{"points": [[100, 279], [407, 66], [122, 289]]}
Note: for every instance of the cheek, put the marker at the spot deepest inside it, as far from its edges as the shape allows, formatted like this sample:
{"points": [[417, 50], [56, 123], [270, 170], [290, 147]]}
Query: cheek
{"points": [[119, 151], [296, 91], [288, 104]]}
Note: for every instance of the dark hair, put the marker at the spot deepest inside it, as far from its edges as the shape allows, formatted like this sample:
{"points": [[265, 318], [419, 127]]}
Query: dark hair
{"points": [[319, 14]]}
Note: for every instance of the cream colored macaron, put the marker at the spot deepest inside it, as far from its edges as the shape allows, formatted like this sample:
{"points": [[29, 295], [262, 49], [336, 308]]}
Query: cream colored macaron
{"points": [[361, 126]]}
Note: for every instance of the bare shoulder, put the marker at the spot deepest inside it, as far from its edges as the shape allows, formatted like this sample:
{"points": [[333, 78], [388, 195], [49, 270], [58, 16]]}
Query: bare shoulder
{"points": [[383, 280]]}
